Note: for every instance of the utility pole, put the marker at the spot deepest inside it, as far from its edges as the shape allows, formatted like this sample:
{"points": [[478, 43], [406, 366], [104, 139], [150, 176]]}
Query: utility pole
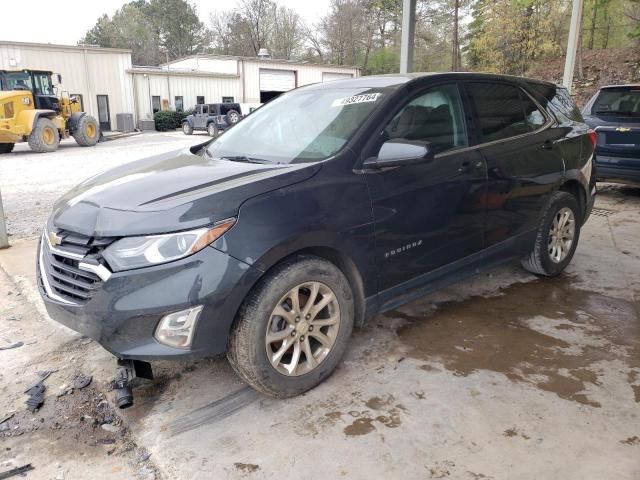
{"points": [[572, 43], [407, 36], [4, 239], [455, 47]]}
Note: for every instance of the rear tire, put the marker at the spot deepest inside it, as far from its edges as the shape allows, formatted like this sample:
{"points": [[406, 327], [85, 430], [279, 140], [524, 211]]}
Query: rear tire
{"points": [[187, 129], [44, 137], [212, 130], [259, 332], [6, 147], [559, 223], [232, 117], [87, 131]]}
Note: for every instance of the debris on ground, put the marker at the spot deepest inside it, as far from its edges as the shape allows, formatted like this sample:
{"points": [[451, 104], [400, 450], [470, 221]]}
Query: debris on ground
{"points": [[13, 345], [110, 427], [8, 416], [16, 471], [36, 391], [81, 381]]}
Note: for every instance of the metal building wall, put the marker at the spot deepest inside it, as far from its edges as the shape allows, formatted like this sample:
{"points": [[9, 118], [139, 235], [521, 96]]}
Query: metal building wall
{"points": [[167, 85], [305, 73], [89, 71]]}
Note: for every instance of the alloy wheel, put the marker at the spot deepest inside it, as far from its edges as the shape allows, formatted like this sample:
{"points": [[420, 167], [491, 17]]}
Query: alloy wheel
{"points": [[302, 328], [561, 235]]}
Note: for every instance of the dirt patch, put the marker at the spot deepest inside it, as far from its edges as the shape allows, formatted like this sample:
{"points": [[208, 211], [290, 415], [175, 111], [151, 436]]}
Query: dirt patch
{"points": [[377, 403], [506, 335], [246, 467], [360, 426], [514, 432], [635, 440]]}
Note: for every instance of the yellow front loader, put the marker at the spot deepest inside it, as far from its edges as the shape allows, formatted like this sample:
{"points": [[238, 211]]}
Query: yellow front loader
{"points": [[31, 111]]}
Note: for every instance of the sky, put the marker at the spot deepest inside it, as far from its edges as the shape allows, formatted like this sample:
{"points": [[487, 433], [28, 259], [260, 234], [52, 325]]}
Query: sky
{"points": [[70, 19]]}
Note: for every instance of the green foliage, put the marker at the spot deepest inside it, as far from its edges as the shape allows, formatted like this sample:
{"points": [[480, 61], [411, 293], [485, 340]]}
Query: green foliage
{"points": [[155, 30], [169, 120], [385, 60]]}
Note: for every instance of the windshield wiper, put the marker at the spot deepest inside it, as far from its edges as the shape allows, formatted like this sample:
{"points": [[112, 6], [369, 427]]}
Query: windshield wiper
{"points": [[243, 158]]}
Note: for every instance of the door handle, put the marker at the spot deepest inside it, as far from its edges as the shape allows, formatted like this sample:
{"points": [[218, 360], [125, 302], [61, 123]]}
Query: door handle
{"points": [[547, 145], [467, 166]]}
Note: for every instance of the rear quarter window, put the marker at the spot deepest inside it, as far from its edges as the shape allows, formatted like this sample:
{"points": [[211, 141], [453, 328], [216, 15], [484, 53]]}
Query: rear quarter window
{"points": [[558, 101]]}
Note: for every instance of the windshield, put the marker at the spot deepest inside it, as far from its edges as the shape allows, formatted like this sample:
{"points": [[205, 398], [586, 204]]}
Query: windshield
{"points": [[618, 101], [304, 125], [17, 81], [27, 81]]}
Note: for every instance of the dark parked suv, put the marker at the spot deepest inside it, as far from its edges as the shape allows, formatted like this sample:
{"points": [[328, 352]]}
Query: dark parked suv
{"points": [[212, 118], [329, 205], [614, 113]]}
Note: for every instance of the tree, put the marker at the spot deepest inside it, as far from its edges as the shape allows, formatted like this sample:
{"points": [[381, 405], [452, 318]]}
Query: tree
{"points": [[177, 26], [258, 16], [154, 30], [288, 33]]}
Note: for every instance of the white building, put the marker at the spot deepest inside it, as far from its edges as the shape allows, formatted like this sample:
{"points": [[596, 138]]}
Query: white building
{"points": [[97, 75], [108, 83]]}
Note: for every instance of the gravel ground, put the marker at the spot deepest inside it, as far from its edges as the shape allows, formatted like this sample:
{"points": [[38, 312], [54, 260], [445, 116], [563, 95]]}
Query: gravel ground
{"points": [[31, 182]]}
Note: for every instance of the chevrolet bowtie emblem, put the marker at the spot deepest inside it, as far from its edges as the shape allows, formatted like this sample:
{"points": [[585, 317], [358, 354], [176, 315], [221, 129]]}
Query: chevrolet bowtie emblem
{"points": [[623, 129], [54, 239]]}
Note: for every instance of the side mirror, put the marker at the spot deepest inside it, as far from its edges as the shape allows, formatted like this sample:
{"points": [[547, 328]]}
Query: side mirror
{"points": [[396, 153], [56, 79]]}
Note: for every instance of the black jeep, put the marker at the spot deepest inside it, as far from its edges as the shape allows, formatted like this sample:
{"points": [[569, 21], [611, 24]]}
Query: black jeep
{"points": [[212, 117]]}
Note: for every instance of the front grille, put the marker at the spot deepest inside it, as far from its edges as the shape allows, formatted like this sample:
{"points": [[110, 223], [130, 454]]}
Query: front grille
{"points": [[60, 265]]}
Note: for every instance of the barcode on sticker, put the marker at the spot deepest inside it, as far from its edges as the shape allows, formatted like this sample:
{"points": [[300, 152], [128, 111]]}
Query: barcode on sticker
{"points": [[364, 98]]}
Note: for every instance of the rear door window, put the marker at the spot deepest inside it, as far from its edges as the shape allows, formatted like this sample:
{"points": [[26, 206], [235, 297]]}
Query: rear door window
{"points": [[504, 111]]}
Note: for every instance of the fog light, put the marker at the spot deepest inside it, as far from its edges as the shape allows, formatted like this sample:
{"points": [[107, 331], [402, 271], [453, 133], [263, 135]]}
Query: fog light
{"points": [[177, 329]]}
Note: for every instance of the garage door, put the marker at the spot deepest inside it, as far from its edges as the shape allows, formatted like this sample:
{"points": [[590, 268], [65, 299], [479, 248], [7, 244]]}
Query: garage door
{"points": [[277, 80], [328, 76]]}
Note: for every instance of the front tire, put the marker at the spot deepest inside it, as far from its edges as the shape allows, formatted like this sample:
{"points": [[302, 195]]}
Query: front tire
{"points": [[87, 132], [44, 137], [283, 345], [187, 129], [6, 147], [212, 130], [557, 236]]}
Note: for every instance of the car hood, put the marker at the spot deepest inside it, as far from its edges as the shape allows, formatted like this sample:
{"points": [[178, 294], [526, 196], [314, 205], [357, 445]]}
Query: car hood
{"points": [[173, 191]]}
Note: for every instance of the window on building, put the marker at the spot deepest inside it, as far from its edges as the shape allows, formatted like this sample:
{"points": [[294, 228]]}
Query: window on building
{"points": [[200, 100], [179, 102], [227, 99], [155, 103]]}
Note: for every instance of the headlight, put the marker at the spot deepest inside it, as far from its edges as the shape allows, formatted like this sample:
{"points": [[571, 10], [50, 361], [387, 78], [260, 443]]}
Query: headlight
{"points": [[137, 252]]}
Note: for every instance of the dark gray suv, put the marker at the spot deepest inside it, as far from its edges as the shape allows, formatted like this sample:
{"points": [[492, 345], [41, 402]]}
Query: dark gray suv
{"points": [[329, 205]]}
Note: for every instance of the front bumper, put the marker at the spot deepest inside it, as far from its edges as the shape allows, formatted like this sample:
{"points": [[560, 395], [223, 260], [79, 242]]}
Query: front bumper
{"points": [[123, 312]]}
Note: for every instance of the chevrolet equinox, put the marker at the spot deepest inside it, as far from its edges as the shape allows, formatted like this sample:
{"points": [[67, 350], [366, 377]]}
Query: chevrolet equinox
{"points": [[330, 204]]}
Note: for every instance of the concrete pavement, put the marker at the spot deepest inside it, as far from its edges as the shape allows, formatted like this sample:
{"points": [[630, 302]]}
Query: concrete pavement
{"points": [[501, 376]]}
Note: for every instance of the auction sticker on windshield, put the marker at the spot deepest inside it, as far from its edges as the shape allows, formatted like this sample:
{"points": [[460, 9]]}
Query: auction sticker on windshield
{"points": [[364, 98]]}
